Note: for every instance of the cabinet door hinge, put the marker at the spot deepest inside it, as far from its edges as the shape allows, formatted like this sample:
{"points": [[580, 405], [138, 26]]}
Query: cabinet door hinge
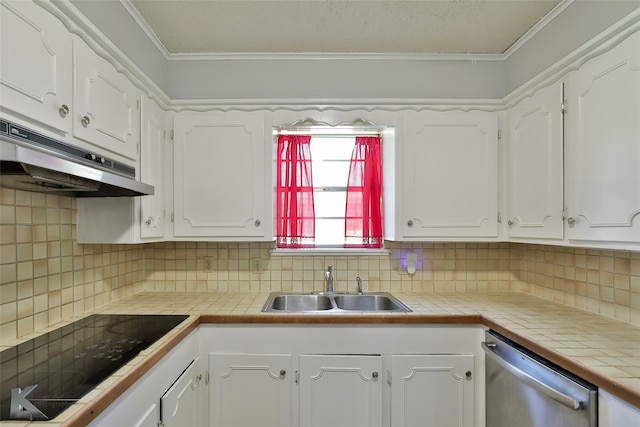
{"points": [[138, 104], [171, 216], [563, 108], [499, 217], [388, 377], [206, 377], [160, 423], [499, 134], [171, 134], [297, 377]]}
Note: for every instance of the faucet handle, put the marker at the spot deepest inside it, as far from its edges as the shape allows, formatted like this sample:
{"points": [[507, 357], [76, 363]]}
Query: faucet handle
{"points": [[359, 288]]}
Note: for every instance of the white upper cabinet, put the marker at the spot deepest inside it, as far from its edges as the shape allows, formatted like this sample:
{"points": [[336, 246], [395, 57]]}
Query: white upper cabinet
{"points": [[106, 104], [449, 175], [133, 219], [35, 66], [535, 169], [152, 169], [55, 81], [603, 147], [222, 184]]}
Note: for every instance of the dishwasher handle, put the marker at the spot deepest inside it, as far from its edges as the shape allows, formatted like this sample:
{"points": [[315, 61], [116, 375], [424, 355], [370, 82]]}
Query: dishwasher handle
{"points": [[554, 394]]}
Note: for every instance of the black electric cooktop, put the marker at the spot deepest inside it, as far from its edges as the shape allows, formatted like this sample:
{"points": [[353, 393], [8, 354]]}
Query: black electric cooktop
{"points": [[42, 377]]}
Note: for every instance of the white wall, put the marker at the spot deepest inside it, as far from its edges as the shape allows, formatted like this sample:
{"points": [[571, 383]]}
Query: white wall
{"points": [[577, 24], [112, 19], [334, 78], [370, 78]]}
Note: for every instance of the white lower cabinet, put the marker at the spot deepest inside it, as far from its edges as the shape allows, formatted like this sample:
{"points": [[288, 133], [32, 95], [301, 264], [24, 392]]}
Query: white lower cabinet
{"points": [[149, 418], [344, 376], [613, 412], [341, 390], [179, 406], [432, 390], [171, 394], [250, 390]]}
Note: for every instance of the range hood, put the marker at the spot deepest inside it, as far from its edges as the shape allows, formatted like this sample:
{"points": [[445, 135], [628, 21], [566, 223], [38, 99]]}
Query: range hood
{"points": [[33, 162]]}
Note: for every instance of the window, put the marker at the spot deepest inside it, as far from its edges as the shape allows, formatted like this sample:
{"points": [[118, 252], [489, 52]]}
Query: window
{"points": [[329, 189]]}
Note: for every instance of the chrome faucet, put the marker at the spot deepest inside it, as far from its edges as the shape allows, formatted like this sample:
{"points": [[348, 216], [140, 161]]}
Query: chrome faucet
{"points": [[359, 288], [328, 278]]}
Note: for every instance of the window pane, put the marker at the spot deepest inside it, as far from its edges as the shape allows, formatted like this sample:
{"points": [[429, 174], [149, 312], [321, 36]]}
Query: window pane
{"points": [[331, 148], [330, 174], [330, 203], [329, 232]]}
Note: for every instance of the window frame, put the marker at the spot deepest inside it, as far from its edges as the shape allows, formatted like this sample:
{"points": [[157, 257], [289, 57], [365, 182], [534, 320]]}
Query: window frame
{"points": [[323, 130]]}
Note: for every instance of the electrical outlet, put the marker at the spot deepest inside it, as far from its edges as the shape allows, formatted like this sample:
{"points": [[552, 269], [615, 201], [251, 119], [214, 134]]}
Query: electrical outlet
{"points": [[208, 263]]}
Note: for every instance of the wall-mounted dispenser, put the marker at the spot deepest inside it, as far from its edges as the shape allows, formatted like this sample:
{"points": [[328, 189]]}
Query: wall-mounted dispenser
{"points": [[412, 259]]}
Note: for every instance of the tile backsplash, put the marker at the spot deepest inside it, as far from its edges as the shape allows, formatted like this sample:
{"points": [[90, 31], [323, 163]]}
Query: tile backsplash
{"points": [[600, 281], [45, 276]]}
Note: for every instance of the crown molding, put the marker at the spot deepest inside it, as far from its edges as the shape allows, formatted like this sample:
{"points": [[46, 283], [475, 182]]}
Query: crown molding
{"points": [[337, 104], [602, 43], [79, 25], [531, 32], [144, 26], [83, 28]]}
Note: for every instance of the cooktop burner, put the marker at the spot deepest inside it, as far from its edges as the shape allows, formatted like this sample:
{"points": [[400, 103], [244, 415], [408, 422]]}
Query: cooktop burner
{"points": [[42, 377]]}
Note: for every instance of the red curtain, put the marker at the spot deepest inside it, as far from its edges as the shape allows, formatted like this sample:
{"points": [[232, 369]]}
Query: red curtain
{"points": [[295, 209], [363, 214]]}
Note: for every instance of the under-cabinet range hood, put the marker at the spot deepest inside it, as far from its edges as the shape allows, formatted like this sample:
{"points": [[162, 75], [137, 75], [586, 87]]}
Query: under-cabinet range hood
{"points": [[33, 162]]}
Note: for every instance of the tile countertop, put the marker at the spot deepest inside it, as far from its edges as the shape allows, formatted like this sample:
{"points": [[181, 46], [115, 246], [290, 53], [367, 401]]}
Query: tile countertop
{"points": [[604, 351]]}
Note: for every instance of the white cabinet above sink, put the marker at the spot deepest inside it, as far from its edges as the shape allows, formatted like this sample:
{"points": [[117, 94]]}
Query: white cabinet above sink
{"points": [[448, 177]]}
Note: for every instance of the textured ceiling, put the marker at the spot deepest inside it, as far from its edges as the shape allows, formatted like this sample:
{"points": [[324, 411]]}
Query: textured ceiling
{"points": [[340, 26]]}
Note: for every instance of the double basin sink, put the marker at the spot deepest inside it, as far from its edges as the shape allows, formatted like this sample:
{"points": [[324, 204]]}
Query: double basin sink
{"points": [[338, 303]]}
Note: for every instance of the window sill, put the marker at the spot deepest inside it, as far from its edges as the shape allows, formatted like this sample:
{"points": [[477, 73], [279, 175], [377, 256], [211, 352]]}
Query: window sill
{"points": [[329, 252]]}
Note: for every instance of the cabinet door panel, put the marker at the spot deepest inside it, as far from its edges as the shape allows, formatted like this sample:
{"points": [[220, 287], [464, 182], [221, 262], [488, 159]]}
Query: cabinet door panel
{"points": [[35, 64], [150, 418], [432, 391], [219, 185], [106, 111], [250, 390], [340, 391], [603, 139], [451, 176], [179, 405], [535, 168], [152, 169]]}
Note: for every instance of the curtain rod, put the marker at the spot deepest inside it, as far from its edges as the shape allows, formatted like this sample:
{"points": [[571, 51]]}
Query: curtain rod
{"points": [[321, 134], [358, 126]]}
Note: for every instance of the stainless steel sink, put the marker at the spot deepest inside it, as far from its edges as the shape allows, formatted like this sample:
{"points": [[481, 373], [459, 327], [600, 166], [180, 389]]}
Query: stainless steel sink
{"points": [[300, 303], [282, 302], [369, 302]]}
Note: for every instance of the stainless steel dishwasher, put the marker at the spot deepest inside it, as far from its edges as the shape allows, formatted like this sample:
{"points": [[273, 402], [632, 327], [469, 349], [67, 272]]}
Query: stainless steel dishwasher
{"points": [[525, 390]]}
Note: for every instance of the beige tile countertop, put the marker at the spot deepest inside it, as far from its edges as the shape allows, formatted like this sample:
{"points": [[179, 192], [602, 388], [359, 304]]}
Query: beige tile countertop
{"points": [[604, 351]]}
